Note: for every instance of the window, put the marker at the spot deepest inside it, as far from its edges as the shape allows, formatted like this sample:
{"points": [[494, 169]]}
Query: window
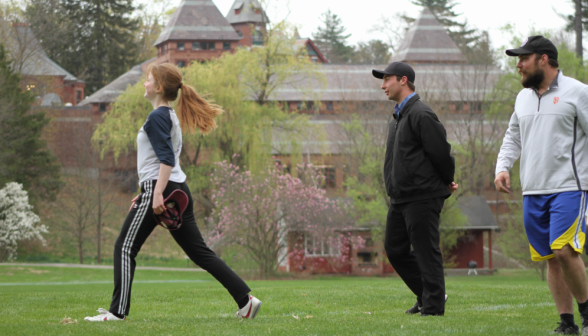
{"points": [[211, 45], [330, 177], [329, 106], [180, 45], [257, 37], [195, 45], [78, 96], [181, 64], [314, 59], [314, 246], [102, 108], [204, 45], [239, 33], [226, 45], [162, 48]]}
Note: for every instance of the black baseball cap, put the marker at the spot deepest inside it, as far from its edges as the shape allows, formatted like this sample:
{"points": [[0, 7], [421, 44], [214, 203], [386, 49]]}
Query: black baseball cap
{"points": [[398, 69], [536, 44]]}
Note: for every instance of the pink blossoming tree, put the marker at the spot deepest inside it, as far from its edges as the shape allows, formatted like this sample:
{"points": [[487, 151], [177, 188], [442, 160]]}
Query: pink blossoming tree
{"points": [[259, 212]]}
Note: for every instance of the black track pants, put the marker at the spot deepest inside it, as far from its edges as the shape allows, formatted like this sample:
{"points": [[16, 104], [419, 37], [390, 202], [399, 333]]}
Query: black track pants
{"points": [[138, 226], [417, 224]]}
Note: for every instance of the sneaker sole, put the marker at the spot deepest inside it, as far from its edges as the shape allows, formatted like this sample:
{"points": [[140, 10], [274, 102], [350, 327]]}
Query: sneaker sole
{"points": [[256, 310]]}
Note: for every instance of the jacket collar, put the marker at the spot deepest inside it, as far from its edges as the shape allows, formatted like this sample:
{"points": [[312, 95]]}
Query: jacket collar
{"points": [[406, 108]]}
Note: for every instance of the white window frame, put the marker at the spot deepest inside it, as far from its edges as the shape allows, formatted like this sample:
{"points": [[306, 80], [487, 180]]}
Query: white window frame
{"points": [[325, 249]]}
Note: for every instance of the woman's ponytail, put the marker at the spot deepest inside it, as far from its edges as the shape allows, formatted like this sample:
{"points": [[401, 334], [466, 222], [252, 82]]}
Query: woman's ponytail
{"points": [[194, 111]]}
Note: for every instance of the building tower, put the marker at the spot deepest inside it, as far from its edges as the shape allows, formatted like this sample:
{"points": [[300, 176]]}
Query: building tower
{"points": [[249, 21], [427, 42], [197, 31]]}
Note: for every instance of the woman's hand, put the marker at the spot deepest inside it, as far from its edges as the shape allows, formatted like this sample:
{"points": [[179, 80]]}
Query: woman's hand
{"points": [[158, 206], [133, 201]]}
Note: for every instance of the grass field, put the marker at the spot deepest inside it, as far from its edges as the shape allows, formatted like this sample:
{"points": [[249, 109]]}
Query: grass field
{"points": [[33, 301]]}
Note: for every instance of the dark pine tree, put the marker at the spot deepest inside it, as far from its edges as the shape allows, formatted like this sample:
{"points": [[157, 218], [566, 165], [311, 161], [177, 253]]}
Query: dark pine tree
{"points": [[332, 40], [104, 39], [24, 156]]}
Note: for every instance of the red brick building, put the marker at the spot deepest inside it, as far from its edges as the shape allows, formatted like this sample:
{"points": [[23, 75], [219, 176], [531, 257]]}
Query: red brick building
{"points": [[52, 84]]}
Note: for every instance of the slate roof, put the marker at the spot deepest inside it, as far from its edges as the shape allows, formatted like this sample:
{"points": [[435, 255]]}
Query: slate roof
{"points": [[247, 13], [427, 41], [197, 20], [37, 63], [350, 82], [478, 212], [112, 90]]}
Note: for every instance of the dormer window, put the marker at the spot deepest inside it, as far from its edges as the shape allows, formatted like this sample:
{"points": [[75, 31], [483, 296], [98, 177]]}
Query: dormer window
{"points": [[180, 45], [238, 7]]}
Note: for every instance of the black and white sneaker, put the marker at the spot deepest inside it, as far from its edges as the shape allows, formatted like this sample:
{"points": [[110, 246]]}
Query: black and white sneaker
{"points": [[416, 309], [566, 329], [584, 324]]}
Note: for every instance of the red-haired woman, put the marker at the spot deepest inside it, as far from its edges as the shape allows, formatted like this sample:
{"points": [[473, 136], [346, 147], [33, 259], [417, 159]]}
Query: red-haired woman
{"points": [[159, 144]]}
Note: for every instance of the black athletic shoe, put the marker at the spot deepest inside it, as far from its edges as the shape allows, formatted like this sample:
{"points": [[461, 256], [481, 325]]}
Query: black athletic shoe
{"points": [[416, 309], [566, 329]]}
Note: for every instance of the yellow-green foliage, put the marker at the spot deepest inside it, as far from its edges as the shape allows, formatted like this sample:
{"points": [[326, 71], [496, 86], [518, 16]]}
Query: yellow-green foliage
{"points": [[242, 84]]}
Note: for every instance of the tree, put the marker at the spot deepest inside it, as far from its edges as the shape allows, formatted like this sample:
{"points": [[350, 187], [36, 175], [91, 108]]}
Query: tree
{"points": [[394, 27], [152, 21], [331, 39], [24, 157], [104, 40], [372, 52], [577, 22], [87, 196], [54, 31], [242, 83], [257, 211], [17, 220]]}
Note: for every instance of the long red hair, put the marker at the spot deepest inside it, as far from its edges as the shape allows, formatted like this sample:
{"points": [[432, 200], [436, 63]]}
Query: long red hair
{"points": [[193, 110]]}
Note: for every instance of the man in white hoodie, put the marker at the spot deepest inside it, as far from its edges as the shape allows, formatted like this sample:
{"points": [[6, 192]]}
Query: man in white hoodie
{"points": [[548, 130]]}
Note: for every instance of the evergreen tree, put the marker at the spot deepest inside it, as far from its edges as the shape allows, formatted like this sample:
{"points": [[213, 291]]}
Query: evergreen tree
{"points": [[105, 39], [96, 40], [24, 157], [331, 39], [372, 52], [577, 22]]}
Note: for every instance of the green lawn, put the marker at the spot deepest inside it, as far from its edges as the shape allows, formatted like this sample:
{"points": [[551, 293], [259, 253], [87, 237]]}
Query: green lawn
{"points": [[193, 303]]}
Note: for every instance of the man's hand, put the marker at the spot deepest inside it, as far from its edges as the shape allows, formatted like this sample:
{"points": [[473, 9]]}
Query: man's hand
{"points": [[502, 182], [453, 187]]}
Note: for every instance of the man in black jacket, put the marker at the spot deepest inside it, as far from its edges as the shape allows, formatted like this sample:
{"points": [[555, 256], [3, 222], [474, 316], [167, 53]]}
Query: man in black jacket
{"points": [[418, 173]]}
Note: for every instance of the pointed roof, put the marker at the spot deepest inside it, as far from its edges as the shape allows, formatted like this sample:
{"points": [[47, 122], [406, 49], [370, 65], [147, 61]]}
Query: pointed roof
{"points": [[244, 11], [428, 42], [35, 61], [197, 20]]}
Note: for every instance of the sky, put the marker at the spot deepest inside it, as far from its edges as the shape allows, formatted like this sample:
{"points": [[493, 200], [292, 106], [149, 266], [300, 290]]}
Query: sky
{"points": [[359, 16]]}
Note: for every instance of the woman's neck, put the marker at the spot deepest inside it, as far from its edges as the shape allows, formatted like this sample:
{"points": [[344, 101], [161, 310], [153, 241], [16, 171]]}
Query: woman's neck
{"points": [[158, 101]]}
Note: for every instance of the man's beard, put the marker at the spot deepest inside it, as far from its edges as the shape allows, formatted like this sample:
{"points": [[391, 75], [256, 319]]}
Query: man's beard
{"points": [[533, 80]]}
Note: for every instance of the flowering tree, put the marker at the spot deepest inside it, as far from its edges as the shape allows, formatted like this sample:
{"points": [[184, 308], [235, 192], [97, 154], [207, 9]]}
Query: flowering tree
{"points": [[17, 220], [258, 211]]}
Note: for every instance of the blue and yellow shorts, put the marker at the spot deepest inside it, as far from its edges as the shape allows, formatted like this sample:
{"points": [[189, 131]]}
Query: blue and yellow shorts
{"points": [[554, 221]]}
